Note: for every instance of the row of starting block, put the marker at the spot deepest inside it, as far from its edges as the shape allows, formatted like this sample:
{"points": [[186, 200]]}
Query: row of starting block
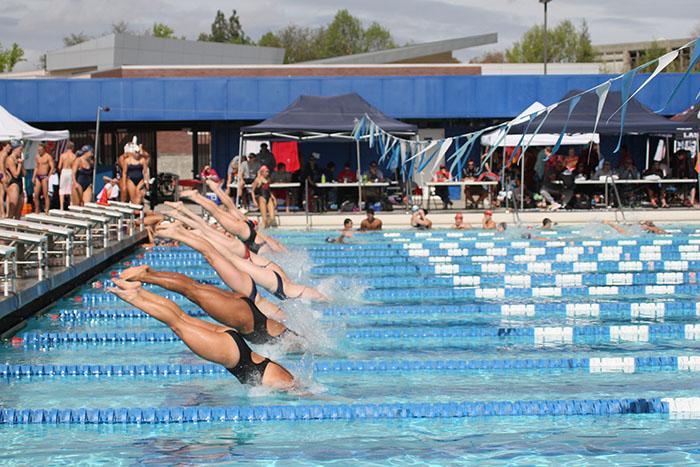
{"points": [[34, 242]]}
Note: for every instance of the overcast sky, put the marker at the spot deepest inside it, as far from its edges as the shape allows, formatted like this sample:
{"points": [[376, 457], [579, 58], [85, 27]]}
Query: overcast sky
{"points": [[39, 25]]}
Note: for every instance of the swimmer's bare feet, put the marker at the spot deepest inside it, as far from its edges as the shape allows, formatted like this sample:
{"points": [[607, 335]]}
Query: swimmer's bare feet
{"points": [[177, 205], [134, 273], [188, 193], [213, 186]]}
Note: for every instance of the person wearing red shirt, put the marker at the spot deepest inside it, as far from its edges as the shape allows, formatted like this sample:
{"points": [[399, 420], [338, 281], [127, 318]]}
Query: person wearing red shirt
{"points": [[346, 175], [443, 175]]}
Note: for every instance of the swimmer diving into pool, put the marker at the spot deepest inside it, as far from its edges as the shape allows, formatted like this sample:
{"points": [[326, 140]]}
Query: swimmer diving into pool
{"points": [[231, 309], [237, 271], [212, 342]]}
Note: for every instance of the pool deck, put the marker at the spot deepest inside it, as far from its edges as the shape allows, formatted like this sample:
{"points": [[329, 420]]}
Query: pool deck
{"points": [[33, 295], [399, 219]]}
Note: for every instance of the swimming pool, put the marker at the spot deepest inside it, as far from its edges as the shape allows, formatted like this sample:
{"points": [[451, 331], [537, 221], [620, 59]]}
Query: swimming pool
{"points": [[441, 347]]}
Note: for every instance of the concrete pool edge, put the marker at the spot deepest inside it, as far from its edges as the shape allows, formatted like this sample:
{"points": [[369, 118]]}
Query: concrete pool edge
{"points": [[27, 302]]}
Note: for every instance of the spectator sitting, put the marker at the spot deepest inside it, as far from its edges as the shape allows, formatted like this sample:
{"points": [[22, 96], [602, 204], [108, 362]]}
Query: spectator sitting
{"points": [[345, 233], [371, 222], [419, 219], [443, 175], [655, 191], [346, 175], [373, 175], [233, 181], [208, 173], [627, 171], [282, 176], [682, 168], [250, 168], [487, 223], [265, 157], [459, 222], [471, 173], [605, 171], [110, 191]]}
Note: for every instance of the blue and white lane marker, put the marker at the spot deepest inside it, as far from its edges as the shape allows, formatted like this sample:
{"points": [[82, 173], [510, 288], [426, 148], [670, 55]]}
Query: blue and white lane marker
{"points": [[545, 335], [676, 407], [620, 364]]}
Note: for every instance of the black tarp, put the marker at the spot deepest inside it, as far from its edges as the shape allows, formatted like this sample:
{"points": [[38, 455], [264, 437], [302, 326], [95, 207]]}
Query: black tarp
{"points": [[327, 114], [638, 118]]}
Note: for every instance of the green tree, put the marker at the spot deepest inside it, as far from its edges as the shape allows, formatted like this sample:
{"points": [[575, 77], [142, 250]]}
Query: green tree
{"points": [[344, 36], [162, 31], [75, 39], [565, 44], [10, 57], [376, 37], [227, 31], [493, 56]]}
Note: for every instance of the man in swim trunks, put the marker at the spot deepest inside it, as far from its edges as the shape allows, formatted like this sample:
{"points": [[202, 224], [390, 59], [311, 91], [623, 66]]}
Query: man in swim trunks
{"points": [[65, 181], [487, 223], [371, 222], [44, 168]]}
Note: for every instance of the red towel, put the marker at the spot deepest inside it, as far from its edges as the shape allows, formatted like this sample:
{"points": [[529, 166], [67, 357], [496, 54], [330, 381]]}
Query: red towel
{"points": [[287, 152]]}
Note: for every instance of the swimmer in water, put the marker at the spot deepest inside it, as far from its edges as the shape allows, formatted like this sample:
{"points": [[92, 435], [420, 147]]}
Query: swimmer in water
{"points": [[212, 342], [547, 224], [345, 233], [419, 219], [231, 309], [647, 226], [487, 223], [234, 270], [459, 222]]}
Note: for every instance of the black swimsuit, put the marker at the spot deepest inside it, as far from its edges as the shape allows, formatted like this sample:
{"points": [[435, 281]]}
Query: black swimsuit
{"points": [[264, 191], [250, 241], [246, 370], [18, 181], [84, 178], [279, 292], [135, 173], [260, 334]]}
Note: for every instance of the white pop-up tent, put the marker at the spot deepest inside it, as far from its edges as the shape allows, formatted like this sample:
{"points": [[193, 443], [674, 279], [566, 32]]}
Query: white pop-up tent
{"points": [[496, 138], [12, 127]]}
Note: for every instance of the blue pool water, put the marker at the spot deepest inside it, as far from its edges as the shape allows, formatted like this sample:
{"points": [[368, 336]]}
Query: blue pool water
{"points": [[597, 317]]}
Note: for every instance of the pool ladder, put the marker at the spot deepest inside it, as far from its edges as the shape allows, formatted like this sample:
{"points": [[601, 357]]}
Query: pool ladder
{"points": [[610, 181]]}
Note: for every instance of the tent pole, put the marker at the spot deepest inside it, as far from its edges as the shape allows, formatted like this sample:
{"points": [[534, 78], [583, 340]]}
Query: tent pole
{"points": [[241, 155], [522, 181], [503, 169], [359, 175], [697, 155], [646, 166]]}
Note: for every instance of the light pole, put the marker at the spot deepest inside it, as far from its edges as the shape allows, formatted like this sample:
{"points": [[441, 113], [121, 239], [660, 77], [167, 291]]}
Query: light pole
{"points": [[100, 109], [545, 2]]}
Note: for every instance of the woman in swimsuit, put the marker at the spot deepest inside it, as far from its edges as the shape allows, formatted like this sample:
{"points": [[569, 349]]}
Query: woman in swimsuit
{"points": [[231, 309], [133, 169], [4, 152], [82, 175], [14, 173], [234, 223], [212, 342], [236, 271], [263, 197]]}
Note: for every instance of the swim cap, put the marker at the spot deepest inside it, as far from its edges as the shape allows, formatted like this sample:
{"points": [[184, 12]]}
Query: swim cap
{"points": [[488, 212], [15, 143], [414, 208]]}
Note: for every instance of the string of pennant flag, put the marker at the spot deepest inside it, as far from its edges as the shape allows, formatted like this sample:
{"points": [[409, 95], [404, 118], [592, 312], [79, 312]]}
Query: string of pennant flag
{"points": [[409, 154]]}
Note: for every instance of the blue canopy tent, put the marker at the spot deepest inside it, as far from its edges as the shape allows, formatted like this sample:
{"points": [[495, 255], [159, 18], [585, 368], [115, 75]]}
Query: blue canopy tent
{"points": [[311, 118], [639, 120]]}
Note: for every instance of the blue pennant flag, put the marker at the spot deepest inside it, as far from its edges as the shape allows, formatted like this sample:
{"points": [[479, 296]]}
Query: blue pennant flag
{"points": [[572, 106], [694, 59], [625, 89]]}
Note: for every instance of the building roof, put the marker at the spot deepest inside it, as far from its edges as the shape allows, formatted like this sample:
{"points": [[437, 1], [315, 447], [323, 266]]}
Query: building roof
{"points": [[115, 50], [414, 51]]}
